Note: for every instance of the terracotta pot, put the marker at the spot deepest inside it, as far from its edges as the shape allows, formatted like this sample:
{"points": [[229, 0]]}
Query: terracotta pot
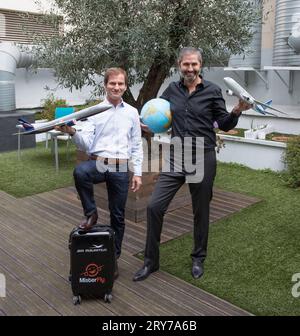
{"points": [[230, 132]]}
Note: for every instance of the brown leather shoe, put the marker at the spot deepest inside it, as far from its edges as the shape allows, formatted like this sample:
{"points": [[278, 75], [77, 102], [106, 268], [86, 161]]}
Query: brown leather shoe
{"points": [[88, 222], [83, 223]]}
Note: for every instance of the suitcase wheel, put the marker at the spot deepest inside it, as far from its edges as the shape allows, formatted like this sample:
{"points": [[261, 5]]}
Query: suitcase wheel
{"points": [[108, 298], [76, 299]]}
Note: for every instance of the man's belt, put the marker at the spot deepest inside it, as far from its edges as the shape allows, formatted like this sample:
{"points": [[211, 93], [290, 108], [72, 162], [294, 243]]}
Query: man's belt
{"points": [[108, 160]]}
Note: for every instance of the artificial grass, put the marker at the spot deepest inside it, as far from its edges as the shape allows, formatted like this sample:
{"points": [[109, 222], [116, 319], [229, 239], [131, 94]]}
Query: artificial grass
{"points": [[35, 171], [253, 254]]}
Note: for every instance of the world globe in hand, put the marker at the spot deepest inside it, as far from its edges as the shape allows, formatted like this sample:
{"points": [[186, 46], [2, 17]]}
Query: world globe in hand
{"points": [[156, 114]]}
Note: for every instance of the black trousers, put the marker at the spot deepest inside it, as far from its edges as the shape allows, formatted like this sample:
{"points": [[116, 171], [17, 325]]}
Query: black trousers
{"points": [[165, 189]]}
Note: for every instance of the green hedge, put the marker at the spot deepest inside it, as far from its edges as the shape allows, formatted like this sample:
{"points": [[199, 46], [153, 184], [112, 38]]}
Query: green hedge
{"points": [[292, 160]]}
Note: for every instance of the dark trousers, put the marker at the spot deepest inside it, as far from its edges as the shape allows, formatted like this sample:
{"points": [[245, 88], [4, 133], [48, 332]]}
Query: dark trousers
{"points": [[86, 174], [165, 189]]}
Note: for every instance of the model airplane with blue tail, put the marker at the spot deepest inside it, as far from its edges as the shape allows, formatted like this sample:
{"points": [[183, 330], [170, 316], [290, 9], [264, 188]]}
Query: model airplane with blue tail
{"points": [[68, 120], [235, 89]]}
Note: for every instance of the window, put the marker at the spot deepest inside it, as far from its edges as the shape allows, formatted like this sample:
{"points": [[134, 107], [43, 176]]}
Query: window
{"points": [[22, 27]]}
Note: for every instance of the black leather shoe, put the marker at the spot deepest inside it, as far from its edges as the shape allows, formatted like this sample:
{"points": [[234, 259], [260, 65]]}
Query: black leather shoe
{"points": [[197, 270], [143, 273], [89, 221]]}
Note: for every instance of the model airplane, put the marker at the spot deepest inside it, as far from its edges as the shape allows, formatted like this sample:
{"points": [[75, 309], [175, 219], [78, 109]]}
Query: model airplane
{"points": [[235, 89], [69, 120]]}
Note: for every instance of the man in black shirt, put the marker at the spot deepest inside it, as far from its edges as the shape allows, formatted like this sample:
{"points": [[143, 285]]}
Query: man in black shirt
{"points": [[195, 104]]}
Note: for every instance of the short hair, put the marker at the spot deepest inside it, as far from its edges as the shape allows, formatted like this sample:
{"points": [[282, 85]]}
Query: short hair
{"points": [[115, 71], [189, 50]]}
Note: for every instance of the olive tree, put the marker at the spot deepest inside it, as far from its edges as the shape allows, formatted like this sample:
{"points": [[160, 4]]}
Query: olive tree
{"points": [[143, 37]]}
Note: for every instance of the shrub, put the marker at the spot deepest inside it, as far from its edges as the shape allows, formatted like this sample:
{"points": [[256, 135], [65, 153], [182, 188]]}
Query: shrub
{"points": [[292, 160], [49, 104], [88, 104]]}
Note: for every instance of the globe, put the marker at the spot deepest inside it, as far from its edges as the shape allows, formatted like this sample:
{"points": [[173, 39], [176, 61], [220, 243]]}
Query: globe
{"points": [[156, 114]]}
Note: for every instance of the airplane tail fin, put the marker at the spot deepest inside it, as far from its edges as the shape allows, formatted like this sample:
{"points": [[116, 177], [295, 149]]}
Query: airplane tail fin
{"points": [[27, 126], [261, 108]]}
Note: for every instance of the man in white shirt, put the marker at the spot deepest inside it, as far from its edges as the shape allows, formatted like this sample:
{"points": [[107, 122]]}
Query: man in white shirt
{"points": [[110, 138]]}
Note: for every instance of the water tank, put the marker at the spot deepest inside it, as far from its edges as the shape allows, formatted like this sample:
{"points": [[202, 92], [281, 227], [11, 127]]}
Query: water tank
{"points": [[252, 55], [7, 92], [287, 23], [11, 58]]}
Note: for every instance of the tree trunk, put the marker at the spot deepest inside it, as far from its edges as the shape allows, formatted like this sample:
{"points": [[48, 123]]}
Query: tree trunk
{"points": [[129, 99], [156, 76], [160, 68]]}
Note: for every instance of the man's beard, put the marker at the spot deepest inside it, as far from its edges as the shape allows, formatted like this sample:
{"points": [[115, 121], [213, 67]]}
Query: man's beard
{"points": [[190, 78]]}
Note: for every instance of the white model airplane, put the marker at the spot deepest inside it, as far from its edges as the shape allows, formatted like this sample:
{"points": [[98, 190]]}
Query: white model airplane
{"points": [[235, 89], [69, 120]]}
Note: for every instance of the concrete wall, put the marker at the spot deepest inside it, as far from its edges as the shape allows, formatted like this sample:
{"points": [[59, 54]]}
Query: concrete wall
{"points": [[256, 154], [267, 36]]}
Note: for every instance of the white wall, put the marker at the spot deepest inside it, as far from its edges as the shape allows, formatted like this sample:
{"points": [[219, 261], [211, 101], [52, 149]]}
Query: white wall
{"points": [[30, 89], [256, 154]]}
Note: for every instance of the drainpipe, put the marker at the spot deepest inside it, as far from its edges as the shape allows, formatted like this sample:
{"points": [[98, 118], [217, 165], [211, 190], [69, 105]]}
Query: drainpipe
{"points": [[11, 58]]}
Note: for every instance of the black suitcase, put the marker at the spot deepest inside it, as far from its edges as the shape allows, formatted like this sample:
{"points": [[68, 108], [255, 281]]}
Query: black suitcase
{"points": [[92, 263]]}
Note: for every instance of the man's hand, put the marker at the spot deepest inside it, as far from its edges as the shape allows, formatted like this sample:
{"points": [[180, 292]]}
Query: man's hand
{"points": [[242, 106], [66, 129], [145, 128], [136, 183]]}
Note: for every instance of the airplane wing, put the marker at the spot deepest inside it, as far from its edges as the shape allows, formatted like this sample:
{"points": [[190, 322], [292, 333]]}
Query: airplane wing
{"points": [[26, 132], [266, 112], [269, 107]]}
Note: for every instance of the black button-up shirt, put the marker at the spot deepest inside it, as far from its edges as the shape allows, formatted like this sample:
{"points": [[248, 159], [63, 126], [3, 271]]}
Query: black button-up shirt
{"points": [[193, 115]]}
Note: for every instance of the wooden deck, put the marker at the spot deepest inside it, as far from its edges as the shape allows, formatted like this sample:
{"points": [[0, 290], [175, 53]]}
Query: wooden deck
{"points": [[34, 259]]}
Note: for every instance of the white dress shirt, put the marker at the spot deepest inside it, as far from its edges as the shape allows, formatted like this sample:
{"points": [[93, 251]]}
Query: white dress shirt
{"points": [[115, 133]]}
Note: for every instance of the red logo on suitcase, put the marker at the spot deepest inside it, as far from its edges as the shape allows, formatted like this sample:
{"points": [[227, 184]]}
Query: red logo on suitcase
{"points": [[92, 271]]}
